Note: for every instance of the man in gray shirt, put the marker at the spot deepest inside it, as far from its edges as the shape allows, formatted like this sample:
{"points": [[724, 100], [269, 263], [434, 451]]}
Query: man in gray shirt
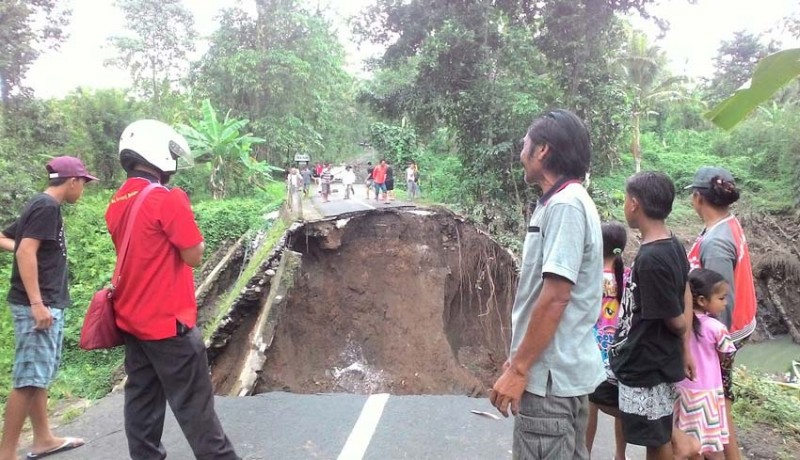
{"points": [[554, 362]]}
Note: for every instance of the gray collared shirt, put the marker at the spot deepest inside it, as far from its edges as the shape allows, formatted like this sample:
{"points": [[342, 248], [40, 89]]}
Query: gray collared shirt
{"points": [[564, 238]]}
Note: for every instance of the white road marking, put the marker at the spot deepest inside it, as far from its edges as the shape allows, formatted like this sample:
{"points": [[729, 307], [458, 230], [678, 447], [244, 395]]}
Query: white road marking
{"points": [[358, 441], [358, 190]]}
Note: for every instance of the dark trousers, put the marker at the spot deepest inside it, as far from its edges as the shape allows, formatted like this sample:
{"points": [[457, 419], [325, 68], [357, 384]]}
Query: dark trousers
{"points": [[172, 370]]}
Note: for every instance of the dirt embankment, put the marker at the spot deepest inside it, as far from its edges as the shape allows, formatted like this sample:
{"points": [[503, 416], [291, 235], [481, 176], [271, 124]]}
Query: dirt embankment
{"points": [[401, 302], [775, 249]]}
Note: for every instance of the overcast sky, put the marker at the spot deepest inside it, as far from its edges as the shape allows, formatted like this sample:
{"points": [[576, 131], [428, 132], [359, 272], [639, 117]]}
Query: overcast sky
{"points": [[692, 41]]}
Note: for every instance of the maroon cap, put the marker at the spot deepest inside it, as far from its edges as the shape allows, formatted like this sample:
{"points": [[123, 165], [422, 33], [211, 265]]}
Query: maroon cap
{"points": [[68, 167]]}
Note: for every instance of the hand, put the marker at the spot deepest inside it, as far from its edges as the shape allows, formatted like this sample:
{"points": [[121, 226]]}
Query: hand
{"points": [[41, 316], [508, 390]]}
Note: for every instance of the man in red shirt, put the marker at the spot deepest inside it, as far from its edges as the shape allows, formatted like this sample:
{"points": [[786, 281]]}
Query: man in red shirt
{"points": [[165, 357], [379, 180]]}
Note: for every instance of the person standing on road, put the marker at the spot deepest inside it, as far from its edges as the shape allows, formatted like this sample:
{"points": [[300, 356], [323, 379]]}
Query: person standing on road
{"points": [[615, 238], [379, 180], [369, 182], [154, 303], [411, 181], [649, 354], [348, 179], [294, 183], [326, 179], [389, 182], [554, 361], [306, 175], [722, 247], [38, 297]]}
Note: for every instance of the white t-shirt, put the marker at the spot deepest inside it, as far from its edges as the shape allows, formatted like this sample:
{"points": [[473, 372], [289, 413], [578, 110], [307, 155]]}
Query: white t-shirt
{"points": [[348, 177], [410, 173]]}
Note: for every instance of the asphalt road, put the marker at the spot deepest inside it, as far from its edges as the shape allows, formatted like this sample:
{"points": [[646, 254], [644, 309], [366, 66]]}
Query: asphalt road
{"points": [[288, 426], [359, 202]]}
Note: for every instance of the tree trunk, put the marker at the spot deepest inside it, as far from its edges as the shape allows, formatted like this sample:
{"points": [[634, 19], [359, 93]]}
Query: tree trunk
{"points": [[785, 317], [635, 144]]}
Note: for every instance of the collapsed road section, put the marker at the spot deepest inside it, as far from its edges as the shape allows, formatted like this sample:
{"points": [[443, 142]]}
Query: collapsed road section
{"points": [[402, 301]]}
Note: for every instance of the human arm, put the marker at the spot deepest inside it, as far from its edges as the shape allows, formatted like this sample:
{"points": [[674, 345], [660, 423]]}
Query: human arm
{"points": [[689, 367], [677, 325], [545, 319], [181, 228], [193, 256], [6, 242], [719, 255], [29, 273]]}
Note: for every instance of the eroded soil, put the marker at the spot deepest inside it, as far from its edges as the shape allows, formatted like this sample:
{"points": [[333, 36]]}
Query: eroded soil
{"points": [[394, 302]]}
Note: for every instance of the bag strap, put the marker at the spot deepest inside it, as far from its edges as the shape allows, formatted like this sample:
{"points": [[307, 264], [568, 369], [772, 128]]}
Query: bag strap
{"points": [[126, 239]]}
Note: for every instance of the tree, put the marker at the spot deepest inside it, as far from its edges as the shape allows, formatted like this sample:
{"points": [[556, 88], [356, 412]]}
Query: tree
{"points": [[284, 70], [26, 27], [156, 53], [96, 120], [643, 67], [228, 152], [735, 61]]}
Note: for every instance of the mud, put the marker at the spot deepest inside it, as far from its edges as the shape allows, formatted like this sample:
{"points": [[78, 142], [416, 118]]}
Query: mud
{"points": [[396, 301]]}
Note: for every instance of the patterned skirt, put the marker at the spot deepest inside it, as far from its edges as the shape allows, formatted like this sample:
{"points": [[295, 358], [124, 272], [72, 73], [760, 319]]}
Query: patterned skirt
{"points": [[703, 414]]}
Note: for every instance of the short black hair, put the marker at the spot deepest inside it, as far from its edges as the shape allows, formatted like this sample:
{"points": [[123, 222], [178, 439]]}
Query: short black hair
{"points": [[720, 192], [654, 191], [57, 181], [569, 142]]}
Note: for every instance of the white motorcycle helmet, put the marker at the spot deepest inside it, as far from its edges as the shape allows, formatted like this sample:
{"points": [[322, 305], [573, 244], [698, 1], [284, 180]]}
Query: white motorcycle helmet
{"points": [[153, 143]]}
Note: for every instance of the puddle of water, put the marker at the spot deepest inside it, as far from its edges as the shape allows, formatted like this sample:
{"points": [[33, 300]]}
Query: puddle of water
{"points": [[770, 356]]}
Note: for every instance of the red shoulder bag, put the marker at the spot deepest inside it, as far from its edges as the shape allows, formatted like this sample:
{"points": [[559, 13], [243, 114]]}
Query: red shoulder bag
{"points": [[99, 330]]}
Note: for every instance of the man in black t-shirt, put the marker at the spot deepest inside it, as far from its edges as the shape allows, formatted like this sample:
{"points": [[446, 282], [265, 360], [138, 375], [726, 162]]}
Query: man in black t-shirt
{"points": [[647, 356], [37, 298]]}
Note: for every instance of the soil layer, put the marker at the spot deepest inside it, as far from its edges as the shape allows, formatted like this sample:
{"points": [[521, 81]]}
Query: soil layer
{"points": [[399, 302]]}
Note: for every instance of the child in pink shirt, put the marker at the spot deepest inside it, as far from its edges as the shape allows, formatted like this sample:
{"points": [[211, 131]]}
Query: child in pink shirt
{"points": [[700, 411]]}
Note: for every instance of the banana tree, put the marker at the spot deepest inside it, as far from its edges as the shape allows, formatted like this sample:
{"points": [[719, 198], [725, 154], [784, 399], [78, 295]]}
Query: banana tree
{"points": [[772, 73], [221, 145]]}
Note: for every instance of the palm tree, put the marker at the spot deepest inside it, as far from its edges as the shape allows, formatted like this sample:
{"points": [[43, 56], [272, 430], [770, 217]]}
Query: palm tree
{"points": [[644, 71]]}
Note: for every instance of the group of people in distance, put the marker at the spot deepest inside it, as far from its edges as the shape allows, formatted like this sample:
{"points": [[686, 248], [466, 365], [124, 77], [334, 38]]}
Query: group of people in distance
{"points": [[652, 345], [380, 181], [154, 303]]}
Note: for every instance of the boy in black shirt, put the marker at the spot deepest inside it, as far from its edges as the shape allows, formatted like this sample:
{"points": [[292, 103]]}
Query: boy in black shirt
{"points": [[647, 356]]}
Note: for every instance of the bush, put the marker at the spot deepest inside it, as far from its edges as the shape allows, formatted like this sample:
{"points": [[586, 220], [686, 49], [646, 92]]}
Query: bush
{"points": [[222, 220], [760, 400]]}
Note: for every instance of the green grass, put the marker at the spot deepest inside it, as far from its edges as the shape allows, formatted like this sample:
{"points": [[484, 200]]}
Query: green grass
{"points": [[759, 400], [274, 233]]}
